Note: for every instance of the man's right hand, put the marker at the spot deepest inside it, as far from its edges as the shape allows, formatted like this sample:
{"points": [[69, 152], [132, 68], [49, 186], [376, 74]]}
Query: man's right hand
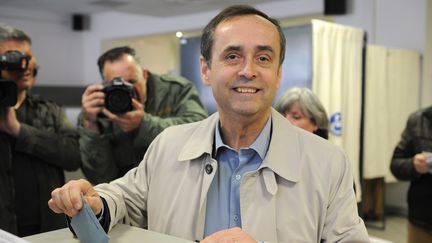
{"points": [[92, 104], [420, 163], [9, 122], [67, 199]]}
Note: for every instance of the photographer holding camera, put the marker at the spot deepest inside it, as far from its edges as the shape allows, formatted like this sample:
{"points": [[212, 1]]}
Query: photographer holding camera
{"points": [[37, 143], [122, 116]]}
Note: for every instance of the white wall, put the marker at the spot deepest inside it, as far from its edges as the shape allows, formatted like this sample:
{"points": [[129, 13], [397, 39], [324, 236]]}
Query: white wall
{"points": [[69, 58], [118, 25], [58, 49], [391, 23], [427, 61]]}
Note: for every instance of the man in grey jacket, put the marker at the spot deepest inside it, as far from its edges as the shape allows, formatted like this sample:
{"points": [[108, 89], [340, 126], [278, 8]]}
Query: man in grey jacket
{"points": [[245, 174], [111, 143]]}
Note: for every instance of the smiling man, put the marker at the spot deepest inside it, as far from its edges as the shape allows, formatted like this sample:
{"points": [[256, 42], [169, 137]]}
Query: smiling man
{"points": [[245, 174]]}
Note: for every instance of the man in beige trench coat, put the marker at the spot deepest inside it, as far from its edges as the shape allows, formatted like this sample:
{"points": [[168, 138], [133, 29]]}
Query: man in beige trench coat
{"points": [[244, 174]]}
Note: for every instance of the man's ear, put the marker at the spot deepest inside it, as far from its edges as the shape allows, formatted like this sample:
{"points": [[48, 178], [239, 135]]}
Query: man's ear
{"points": [[145, 73], [279, 76], [205, 70], [35, 71]]}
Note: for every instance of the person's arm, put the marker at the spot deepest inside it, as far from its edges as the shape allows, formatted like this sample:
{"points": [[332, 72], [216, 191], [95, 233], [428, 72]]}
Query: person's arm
{"points": [[57, 145], [98, 163], [402, 166], [68, 198], [342, 223], [127, 196], [186, 108]]}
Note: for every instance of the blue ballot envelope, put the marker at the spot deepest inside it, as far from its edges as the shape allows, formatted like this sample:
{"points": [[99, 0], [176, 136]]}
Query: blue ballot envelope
{"points": [[87, 226]]}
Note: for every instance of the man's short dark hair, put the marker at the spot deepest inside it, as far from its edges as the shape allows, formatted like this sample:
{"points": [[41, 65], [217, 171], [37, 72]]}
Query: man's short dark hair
{"points": [[207, 37], [9, 33], [113, 55]]}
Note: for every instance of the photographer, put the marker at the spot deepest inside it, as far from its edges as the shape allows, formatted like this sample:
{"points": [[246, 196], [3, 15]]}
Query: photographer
{"points": [[114, 142], [36, 143]]}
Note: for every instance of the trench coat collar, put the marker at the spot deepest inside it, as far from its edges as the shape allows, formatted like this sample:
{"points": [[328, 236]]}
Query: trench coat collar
{"points": [[201, 140], [283, 155]]}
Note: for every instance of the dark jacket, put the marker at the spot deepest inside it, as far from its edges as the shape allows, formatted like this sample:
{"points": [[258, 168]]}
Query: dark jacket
{"points": [[416, 138], [47, 143], [110, 154]]}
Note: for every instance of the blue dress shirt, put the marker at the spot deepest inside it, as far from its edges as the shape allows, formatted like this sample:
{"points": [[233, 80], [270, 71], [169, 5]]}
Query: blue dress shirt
{"points": [[223, 197]]}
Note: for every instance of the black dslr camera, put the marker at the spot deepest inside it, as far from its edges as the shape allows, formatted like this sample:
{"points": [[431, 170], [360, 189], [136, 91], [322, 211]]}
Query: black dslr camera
{"points": [[11, 61], [118, 95]]}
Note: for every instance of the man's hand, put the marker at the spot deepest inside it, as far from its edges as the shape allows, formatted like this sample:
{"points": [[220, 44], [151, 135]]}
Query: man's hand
{"points": [[92, 101], [9, 122], [232, 235], [420, 163], [130, 120], [67, 199]]}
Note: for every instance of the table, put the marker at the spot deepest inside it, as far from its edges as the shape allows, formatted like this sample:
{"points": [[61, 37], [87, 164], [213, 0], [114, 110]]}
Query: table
{"points": [[121, 233]]}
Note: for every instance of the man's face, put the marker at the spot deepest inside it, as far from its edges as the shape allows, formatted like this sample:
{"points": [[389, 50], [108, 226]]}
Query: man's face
{"points": [[24, 79], [244, 73], [128, 69]]}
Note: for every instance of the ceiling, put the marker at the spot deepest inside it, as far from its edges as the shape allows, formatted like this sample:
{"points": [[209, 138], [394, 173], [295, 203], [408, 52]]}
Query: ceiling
{"points": [[156, 8]]}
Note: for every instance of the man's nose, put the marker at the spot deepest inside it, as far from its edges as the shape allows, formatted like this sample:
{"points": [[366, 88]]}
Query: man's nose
{"points": [[248, 70]]}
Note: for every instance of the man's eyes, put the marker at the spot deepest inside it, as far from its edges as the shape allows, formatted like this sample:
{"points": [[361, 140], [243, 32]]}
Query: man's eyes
{"points": [[232, 56], [263, 59], [131, 81], [259, 59]]}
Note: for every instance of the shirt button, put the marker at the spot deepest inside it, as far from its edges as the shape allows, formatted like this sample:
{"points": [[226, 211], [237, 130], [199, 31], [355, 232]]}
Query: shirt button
{"points": [[235, 218], [208, 169], [238, 177]]}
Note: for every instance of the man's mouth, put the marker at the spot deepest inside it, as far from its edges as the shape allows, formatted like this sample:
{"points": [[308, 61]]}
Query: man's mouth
{"points": [[246, 90], [23, 74]]}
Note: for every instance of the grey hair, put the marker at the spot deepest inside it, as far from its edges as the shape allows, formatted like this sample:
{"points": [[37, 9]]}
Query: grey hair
{"points": [[8, 33], [309, 104]]}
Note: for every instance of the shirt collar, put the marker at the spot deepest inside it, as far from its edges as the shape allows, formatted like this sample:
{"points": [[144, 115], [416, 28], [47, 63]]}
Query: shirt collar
{"points": [[260, 145], [284, 149]]}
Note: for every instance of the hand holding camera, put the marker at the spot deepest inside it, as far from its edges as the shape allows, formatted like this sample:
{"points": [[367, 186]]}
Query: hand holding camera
{"points": [[9, 122], [92, 104], [128, 121], [116, 101]]}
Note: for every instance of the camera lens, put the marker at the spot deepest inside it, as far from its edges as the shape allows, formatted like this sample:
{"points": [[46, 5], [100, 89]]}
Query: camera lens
{"points": [[118, 95], [118, 101], [14, 61]]}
